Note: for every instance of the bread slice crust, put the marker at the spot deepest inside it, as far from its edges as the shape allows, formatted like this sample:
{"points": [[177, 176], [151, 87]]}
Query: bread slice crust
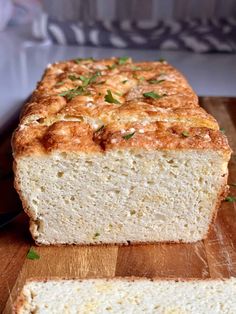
{"points": [[22, 302]]}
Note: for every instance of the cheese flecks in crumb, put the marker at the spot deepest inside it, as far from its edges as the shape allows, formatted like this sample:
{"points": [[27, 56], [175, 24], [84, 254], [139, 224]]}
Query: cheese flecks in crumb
{"points": [[110, 184], [87, 157], [122, 296]]}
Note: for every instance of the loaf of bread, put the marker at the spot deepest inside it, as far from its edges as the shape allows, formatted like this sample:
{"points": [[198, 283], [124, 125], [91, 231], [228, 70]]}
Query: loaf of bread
{"points": [[123, 296], [113, 151]]}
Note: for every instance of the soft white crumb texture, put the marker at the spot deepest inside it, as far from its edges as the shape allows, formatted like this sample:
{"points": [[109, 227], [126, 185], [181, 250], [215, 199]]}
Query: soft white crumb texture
{"points": [[121, 196], [125, 297]]}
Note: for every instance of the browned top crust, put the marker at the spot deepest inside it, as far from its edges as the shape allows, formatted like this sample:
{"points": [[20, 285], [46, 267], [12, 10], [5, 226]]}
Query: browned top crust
{"points": [[85, 105]]}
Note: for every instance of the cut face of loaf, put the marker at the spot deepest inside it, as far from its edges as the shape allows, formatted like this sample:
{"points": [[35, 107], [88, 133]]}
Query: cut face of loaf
{"points": [[126, 296], [122, 196], [129, 157]]}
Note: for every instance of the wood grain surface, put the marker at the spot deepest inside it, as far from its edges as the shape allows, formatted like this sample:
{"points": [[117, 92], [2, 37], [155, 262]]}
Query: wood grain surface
{"points": [[212, 258]]}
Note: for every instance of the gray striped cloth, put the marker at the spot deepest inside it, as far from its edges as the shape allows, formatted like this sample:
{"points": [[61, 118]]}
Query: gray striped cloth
{"points": [[209, 26]]}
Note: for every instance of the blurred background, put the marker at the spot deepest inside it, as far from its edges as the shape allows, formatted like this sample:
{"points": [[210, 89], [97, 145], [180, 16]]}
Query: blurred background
{"points": [[196, 36]]}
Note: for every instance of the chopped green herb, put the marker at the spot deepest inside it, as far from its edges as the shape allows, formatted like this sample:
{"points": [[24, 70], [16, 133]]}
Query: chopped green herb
{"points": [[135, 68], [156, 81], [73, 77], [32, 254], [109, 98], [88, 80], [128, 136], [142, 78], [132, 212], [100, 129], [153, 95], [111, 67], [162, 60], [97, 234], [185, 134], [71, 93], [222, 130], [123, 60], [125, 81], [78, 60], [85, 80], [230, 199], [94, 77], [59, 83], [232, 184]]}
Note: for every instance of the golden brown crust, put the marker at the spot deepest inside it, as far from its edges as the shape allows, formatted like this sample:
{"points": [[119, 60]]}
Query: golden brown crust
{"points": [[57, 118], [163, 135], [69, 136]]}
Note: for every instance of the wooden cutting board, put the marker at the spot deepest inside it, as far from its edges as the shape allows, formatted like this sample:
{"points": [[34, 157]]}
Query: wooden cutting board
{"points": [[212, 258]]}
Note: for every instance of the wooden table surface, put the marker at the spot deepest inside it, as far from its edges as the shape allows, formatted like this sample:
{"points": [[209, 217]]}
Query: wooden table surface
{"points": [[212, 258]]}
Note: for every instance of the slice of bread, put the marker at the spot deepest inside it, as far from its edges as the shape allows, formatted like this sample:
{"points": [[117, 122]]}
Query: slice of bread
{"points": [[113, 151], [125, 296]]}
